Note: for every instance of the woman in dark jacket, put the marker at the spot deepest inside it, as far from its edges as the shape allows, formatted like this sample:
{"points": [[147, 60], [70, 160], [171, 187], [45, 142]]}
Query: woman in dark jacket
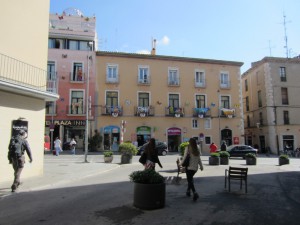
{"points": [[152, 155]]}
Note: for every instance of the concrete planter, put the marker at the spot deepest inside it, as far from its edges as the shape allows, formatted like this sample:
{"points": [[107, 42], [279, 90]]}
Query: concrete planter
{"points": [[126, 158], [149, 196], [250, 161], [108, 159], [215, 161], [224, 160], [283, 161]]}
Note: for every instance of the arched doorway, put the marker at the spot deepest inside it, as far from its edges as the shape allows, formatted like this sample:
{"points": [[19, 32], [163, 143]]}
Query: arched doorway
{"points": [[226, 135]]}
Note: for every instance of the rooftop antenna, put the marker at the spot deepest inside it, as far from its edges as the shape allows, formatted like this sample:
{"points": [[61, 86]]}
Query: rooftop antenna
{"points": [[285, 36], [270, 48]]}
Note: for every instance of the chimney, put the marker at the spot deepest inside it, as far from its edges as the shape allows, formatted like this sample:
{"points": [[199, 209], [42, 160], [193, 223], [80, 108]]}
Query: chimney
{"points": [[153, 51]]}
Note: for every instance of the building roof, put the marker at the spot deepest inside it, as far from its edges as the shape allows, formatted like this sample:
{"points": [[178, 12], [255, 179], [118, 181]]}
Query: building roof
{"points": [[163, 57]]}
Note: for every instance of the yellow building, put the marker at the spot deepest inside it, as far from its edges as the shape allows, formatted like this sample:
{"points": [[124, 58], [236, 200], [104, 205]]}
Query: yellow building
{"points": [[271, 106], [23, 79], [169, 98]]}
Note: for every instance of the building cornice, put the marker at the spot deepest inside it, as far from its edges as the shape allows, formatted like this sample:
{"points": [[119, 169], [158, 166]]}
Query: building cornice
{"points": [[172, 58]]}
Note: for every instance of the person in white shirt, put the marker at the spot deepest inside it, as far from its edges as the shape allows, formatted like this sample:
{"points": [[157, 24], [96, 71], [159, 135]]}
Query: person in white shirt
{"points": [[57, 146], [72, 146]]}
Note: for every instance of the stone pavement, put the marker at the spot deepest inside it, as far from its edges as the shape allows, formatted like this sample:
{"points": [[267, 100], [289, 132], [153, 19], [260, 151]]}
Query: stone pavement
{"points": [[273, 191]]}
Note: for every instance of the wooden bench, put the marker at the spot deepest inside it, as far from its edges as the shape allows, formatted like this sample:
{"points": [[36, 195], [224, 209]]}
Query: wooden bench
{"points": [[236, 173]]}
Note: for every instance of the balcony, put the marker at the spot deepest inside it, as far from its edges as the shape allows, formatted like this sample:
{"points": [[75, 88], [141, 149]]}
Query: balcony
{"points": [[114, 111], [112, 80], [144, 81], [229, 113], [77, 77], [200, 84], [76, 108], [201, 112], [226, 85], [173, 82], [19, 76], [144, 111], [174, 111]]}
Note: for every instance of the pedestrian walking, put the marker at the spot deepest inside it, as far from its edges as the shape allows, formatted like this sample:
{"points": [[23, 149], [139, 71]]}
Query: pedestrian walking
{"points": [[73, 144], [151, 155], [213, 147], [57, 146], [193, 153], [223, 146], [17, 146]]}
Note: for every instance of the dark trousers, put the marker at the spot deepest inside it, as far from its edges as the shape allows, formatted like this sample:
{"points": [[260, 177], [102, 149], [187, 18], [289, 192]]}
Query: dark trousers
{"points": [[190, 179], [18, 165]]}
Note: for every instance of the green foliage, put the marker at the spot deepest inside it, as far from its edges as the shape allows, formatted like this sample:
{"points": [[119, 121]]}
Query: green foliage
{"points": [[128, 148], [107, 153], [95, 141], [182, 147], [147, 176], [284, 156], [215, 154], [224, 154], [250, 155]]}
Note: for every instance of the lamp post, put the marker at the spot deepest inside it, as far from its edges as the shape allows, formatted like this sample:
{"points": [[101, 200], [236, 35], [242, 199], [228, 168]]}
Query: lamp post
{"points": [[90, 46], [219, 116]]}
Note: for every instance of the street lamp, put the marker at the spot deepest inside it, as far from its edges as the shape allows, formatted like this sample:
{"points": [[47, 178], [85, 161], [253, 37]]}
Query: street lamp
{"points": [[219, 116], [90, 47]]}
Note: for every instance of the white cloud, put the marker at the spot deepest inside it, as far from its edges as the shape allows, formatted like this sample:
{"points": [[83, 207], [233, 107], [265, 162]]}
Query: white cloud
{"points": [[147, 52], [164, 41]]}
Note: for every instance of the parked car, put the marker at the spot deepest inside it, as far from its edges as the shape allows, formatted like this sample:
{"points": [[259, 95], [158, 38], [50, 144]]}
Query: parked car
{"points": [[160, 146], [240, 150]]}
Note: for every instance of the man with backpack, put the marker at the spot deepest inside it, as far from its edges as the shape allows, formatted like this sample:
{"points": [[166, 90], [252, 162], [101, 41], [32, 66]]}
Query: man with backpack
{"points": [[17, 146]]}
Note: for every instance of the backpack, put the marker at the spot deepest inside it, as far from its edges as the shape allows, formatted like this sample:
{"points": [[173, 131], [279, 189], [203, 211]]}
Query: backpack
{"points": [[15, 146]]}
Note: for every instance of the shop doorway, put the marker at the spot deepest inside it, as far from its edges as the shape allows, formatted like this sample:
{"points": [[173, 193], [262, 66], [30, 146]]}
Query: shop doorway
{"points": [[143, 135], [174, 139], [111, 138]]}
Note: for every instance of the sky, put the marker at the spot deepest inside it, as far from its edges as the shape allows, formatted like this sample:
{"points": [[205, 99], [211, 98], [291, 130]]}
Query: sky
{"points": [[232, 30]]}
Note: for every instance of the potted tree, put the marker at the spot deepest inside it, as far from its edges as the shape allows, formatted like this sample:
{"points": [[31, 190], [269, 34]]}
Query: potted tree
{"points": [[149, 189], [127, 150], [95, 141], [224, 157], [214, 159], [108, 156], [250, 159], [284, 159]]}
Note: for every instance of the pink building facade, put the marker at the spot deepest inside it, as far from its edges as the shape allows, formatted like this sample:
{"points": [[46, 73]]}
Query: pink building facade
{"points": [[71, 63]]}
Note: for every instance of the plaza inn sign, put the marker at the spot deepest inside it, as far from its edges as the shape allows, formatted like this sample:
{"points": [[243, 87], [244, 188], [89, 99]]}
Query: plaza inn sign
{"points": [[66, 122]]}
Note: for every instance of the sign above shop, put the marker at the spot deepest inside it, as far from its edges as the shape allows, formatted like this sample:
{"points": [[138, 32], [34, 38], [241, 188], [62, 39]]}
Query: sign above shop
{"points": [[66, 122]]}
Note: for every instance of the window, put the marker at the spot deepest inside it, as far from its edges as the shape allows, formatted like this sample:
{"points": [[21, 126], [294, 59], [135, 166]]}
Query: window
{"points": [[50, 108], [112, 74], [246, 85], [207, 123], [286, 119], [173, 78], [56, 43], [174, 100], [76, 102], [77, 74], [282, 74], [112, 98], [248, 121], [143, 77], [224, 80], [284, 96], [143, 99], [51, 74], [225, 102], [199, 79], [247, 103], [261, 119], [195, 124], [78, 45], [207, 140], [200, 101], [259, 99]]}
